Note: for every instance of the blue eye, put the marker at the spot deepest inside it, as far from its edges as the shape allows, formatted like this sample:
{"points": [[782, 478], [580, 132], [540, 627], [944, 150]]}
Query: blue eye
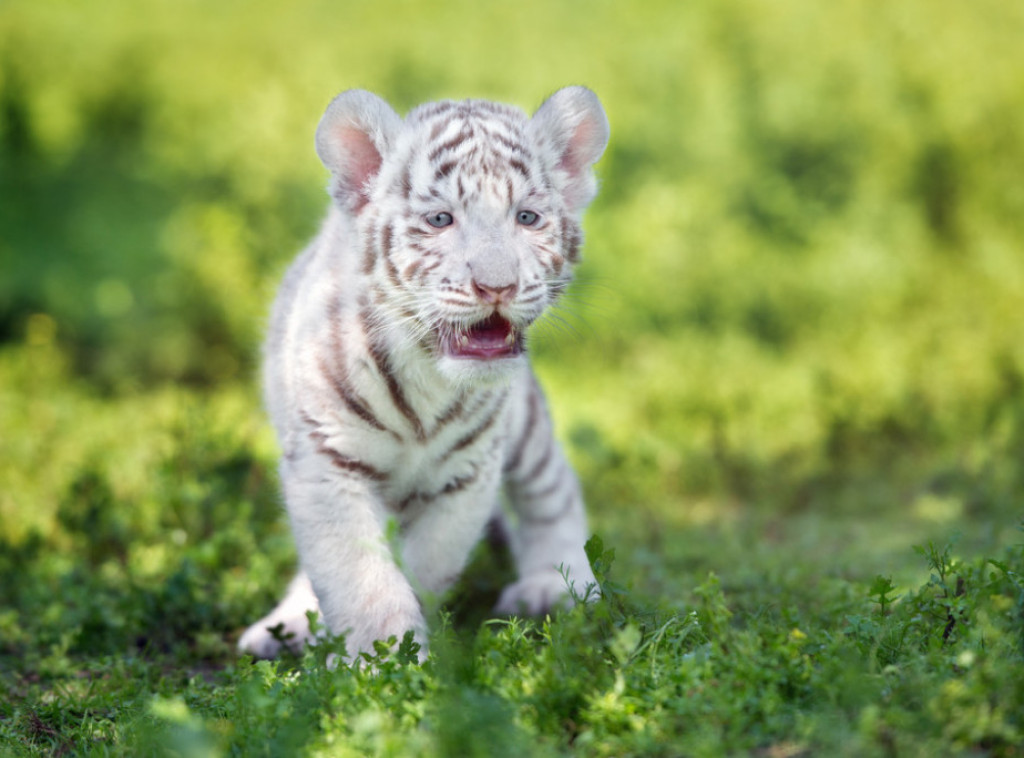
{"points": [[527, 218], [440, 220]]}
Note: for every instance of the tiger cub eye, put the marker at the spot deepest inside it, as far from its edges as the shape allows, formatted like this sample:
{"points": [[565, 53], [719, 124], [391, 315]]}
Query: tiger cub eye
{"points": [[440, 220], [527, 218]]}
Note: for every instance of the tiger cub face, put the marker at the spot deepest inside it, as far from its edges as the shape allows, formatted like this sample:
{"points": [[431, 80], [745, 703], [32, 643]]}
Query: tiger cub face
{"points": [[467, 215]]}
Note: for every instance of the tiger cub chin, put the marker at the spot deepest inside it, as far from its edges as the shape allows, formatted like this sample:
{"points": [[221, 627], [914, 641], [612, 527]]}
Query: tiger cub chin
{"points": [[395, 370]]}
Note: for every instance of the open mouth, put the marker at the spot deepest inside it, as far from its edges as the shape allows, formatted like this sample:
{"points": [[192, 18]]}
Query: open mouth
{"points": [[494, 337]]}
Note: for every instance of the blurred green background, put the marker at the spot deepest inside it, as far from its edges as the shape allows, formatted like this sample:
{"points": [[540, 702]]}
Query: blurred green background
{"points": [[802, 292]]}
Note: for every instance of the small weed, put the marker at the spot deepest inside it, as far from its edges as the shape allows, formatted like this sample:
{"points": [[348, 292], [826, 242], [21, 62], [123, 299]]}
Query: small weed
{"points": [[881, 592]]}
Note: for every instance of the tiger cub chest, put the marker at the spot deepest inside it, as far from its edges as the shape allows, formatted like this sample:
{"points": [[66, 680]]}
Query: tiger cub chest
{"points": [[420, 439]]}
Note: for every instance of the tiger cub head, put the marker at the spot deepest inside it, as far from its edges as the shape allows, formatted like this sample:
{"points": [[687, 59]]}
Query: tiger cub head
{"points": [[466, 215]]}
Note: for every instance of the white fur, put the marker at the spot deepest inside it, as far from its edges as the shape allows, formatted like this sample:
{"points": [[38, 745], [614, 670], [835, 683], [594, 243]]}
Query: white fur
{"points": [[359, 314]]}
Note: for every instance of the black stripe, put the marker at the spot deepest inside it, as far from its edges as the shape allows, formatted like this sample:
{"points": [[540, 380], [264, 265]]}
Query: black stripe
{"points": [[339, 378], [456, 484], [387, 246], [394, 389], [459, 483], [353, 465], [358, 406], [554, 517], [340, 461], [474, 434], [516, 459], [518, 165], [501, 139], [410, 271], [558, 288], [428, 269], [369, 254], [531, 287], [437, 129], [405, 183], [464, 134], [444, 170], [434, 112], [542, 462], [530, 300], [451, 413], [551, 489], [571, 239]]}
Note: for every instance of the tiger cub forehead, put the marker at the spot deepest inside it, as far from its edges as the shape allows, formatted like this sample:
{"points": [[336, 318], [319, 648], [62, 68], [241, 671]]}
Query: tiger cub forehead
{"points": [[448, 123], [466, 152]]}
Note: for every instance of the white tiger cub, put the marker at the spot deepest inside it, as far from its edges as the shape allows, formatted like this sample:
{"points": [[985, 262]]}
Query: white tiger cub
{"points": [[396, 372]]}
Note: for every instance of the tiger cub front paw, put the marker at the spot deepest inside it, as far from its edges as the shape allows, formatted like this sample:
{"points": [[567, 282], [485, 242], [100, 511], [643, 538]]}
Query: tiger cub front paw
{"points": [[367, 637]]}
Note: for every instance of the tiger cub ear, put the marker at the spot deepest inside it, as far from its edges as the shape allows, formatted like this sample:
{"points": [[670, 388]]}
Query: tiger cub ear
{"points": [[356, 131], [572, 125]]}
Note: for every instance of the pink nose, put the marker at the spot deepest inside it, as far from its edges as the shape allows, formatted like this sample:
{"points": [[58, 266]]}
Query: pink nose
{"points": [[495, 295]]}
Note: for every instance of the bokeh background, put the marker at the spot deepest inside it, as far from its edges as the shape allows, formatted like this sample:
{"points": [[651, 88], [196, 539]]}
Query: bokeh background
{"points": [[798, 324]]}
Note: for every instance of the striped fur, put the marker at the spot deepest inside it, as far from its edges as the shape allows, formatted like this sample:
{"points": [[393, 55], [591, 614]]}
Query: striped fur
{"points": [[395, 367]]}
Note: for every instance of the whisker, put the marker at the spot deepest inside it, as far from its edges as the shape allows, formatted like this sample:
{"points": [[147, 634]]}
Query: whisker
{"points": [[554, 324], [592, 293]]}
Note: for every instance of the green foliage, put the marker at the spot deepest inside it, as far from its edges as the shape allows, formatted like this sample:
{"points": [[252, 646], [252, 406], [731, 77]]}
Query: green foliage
{"points": [[793, 353]]}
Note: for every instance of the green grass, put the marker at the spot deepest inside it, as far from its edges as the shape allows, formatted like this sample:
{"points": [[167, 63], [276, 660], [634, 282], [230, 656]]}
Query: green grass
{"points": [[790, 376]]}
